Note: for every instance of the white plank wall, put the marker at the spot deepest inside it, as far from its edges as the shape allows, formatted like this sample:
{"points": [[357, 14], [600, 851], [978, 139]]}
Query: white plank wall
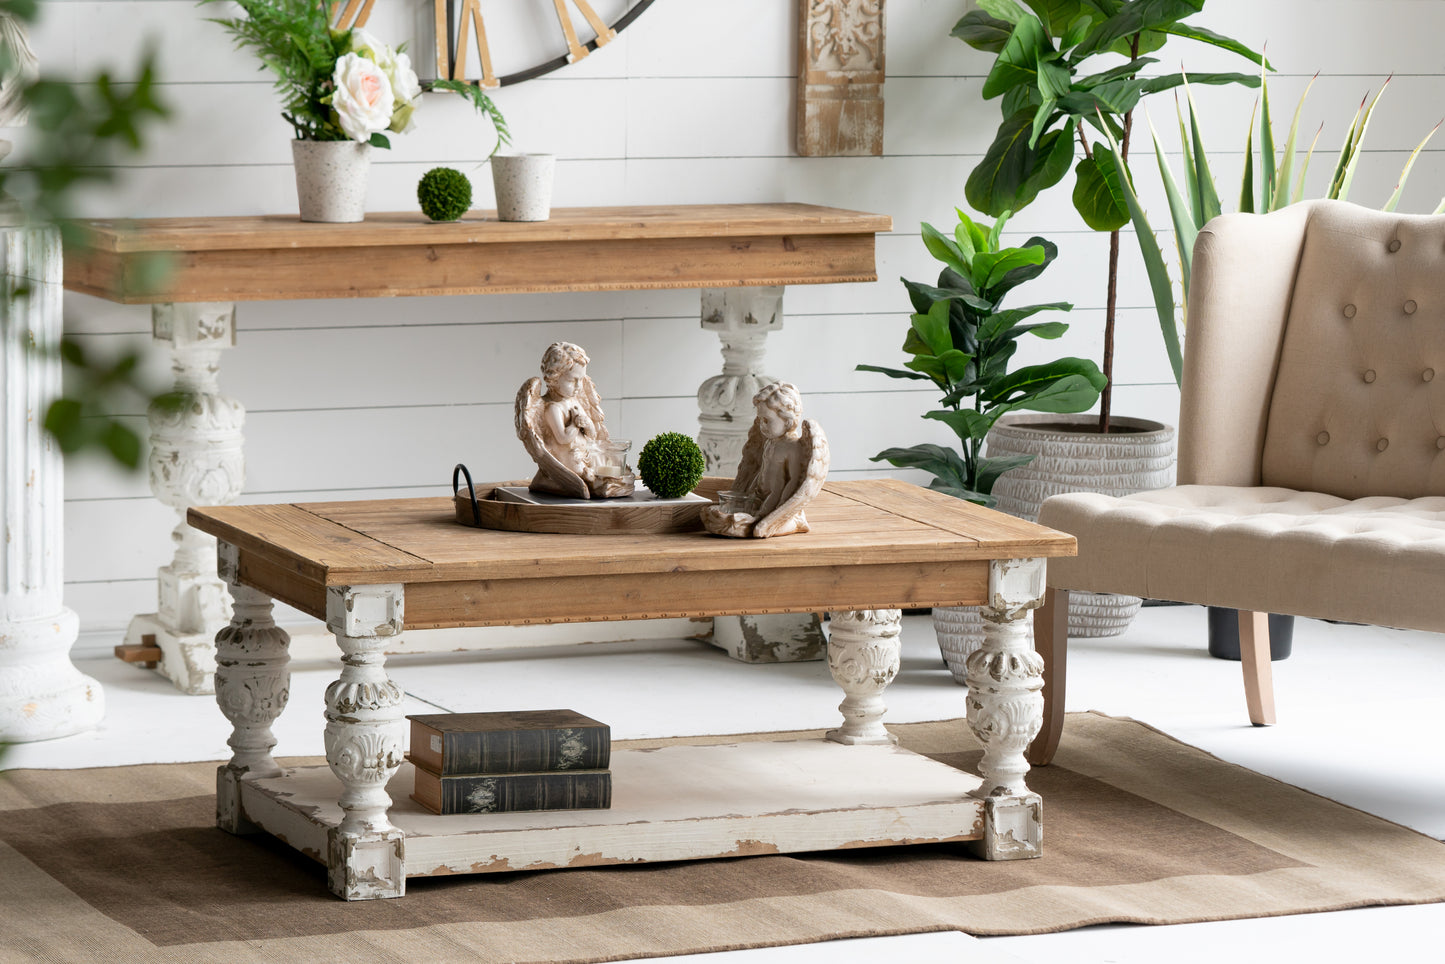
{"points": [[692, 104]]}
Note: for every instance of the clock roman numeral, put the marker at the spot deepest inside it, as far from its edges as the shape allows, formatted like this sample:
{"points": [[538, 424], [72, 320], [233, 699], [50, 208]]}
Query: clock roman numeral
{"points": [[471, 12], [575, 50], [351, 16]]}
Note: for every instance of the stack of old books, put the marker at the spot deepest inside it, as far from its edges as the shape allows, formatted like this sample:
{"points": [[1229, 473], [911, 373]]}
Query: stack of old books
{"points": [[508, 762]]}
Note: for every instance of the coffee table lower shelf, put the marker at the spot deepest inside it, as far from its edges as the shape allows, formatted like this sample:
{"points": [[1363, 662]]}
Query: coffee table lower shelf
{"points": [[672, 803]]}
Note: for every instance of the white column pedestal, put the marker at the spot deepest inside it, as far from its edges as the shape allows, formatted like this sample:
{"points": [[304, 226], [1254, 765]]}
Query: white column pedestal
{"points": [[742, 319], [42, 695], [196, 458]]}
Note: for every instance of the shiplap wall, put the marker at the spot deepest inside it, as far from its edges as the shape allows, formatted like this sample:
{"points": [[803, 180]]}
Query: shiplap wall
{"points": [[694, 103]]}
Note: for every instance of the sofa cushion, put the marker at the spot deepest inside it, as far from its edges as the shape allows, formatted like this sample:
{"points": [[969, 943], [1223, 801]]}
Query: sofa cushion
{"points": [[1378, 560]]}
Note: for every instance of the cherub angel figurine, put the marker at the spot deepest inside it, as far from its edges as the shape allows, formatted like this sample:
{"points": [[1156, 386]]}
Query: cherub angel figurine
{"points": [[559, 420], [783, 467]]}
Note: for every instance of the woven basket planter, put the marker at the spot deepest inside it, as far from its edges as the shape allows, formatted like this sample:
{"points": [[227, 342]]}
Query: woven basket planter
{"points": [[1136, 455]]}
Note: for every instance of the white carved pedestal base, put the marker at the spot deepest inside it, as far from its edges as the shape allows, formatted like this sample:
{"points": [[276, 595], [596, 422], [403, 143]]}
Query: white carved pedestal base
{"points": [[742, 319], [42, 694], [196, 459], [1006, 709], [864, 653]]}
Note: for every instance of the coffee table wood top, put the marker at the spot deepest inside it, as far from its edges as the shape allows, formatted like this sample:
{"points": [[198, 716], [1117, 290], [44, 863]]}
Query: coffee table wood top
{"points": [[577, 249], [875, 544]]}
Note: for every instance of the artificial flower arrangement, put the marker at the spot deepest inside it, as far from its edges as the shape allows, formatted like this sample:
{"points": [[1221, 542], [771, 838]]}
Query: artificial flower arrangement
{"points": [[339, 85]]}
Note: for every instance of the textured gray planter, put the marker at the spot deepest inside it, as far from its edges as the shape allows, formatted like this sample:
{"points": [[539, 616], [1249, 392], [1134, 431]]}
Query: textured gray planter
{"points": [[1137, 455], [331, 179]]}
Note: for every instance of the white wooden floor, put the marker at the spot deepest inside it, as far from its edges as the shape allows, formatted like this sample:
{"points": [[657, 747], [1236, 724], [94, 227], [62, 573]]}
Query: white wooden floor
{"points": [[1338, 695]]}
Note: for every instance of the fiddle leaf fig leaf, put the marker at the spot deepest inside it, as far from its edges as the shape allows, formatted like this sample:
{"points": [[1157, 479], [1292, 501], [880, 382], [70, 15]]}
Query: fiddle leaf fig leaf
{"points": [[983, 32], [1094, 198], [1018, 62]]}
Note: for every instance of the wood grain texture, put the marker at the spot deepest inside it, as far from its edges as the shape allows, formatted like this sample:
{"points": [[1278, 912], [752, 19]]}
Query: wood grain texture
{"points": [[840, 78]]}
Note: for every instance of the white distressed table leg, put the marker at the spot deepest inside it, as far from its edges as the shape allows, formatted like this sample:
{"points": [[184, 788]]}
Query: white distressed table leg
{"points": [[1006, 709], [365, 730], [196, 458], [864, 653], [42, 694], [742, 319], [253, 682]]}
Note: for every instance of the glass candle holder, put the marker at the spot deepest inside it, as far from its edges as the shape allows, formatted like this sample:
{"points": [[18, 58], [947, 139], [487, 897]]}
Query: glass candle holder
{"points": [[612, 459], [737, 500]]}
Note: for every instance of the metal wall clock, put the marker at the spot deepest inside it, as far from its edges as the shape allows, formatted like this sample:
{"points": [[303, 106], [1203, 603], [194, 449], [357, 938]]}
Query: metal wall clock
{"points": [[517, 40]]}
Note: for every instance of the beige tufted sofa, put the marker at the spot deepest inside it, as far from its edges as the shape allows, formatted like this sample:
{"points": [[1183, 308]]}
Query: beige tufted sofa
{"points": [[1311, 443]]}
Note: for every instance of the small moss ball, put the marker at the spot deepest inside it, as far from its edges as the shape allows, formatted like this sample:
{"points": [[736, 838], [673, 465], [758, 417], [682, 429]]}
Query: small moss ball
{"points": [[670, 465], [444, 194]]}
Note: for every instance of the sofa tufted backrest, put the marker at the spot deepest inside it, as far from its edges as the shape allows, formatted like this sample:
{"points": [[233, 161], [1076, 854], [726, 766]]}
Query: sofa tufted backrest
{"points": [[1358, 405]]}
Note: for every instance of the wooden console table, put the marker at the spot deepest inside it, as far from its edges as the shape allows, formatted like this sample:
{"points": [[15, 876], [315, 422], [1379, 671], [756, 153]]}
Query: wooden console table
{"points": [[374, 569], [740, 255]]}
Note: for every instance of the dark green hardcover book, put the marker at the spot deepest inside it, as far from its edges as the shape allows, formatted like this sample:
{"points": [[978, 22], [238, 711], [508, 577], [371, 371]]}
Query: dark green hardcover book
{"points": [[513, 792], [526, 741]]}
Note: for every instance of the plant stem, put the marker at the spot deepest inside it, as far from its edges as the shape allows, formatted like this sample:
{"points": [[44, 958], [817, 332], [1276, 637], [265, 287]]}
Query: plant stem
{"points": [[1106, 397]]}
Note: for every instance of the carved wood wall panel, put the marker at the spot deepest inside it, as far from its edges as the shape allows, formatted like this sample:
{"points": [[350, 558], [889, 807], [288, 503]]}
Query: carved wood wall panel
{"points": [[840, 78]]}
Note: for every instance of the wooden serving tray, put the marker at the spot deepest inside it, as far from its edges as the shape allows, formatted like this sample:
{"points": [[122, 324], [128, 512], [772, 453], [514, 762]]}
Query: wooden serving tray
{"points": [[641, 513]]}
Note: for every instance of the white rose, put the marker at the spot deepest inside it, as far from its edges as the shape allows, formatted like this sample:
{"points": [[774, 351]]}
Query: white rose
{"points": [[363, 100], [405, 86]]}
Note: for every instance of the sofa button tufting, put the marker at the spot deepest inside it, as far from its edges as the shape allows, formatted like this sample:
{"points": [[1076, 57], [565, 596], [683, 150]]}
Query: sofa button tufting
{"points": [[1369, 375], [1393, 246], [1427, 375], [1440, 443], [1323, 438], [1410, 307], [1349, 311], [1382, 444]]}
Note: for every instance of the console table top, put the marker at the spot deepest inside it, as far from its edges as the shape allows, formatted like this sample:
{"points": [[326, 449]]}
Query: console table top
{"points": [[252, 258]]}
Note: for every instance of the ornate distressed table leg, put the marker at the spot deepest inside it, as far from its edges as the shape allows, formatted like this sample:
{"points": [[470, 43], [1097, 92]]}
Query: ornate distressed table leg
{"points": [[253, 681], [365, 728], [863, 656], [742, 319], [1006, 710], [196, 459], [42, 694]]}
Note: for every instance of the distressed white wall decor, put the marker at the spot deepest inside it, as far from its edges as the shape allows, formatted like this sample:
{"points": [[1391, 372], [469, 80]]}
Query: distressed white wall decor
{"points": [[840, 77]]}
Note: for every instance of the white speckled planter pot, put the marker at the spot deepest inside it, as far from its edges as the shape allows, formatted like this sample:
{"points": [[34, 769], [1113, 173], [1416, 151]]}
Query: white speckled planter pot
{"points": [[331, 179], [1137, 455], [524, 186]]}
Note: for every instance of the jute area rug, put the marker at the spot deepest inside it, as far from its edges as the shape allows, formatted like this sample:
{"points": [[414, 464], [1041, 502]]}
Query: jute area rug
{"points": [[125, 864]]}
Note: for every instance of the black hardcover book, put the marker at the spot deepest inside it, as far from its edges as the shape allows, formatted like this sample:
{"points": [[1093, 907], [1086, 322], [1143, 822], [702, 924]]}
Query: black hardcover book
{"points": [[527, 741], [513, 792]]}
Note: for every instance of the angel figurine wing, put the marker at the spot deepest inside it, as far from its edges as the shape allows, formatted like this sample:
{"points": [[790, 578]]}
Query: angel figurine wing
{"points": [[552, 476], [752, 459], [788, 517]]}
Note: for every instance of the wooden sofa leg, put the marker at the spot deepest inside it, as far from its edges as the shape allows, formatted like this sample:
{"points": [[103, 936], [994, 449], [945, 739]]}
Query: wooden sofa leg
{"points": [[1051, 641], [1254, 656]]}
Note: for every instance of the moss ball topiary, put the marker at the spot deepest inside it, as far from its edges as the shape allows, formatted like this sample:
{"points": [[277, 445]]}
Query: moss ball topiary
{"points": [[670, 465], [444, 194]]}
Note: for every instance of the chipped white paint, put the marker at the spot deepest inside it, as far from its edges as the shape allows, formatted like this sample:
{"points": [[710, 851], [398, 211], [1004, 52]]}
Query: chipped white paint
{"points": [[196, 458], [365, 733], [1012, 828], [840, 78], [864, 652], [252, 682], [42, 695], [674, 803], [1005, 677]]}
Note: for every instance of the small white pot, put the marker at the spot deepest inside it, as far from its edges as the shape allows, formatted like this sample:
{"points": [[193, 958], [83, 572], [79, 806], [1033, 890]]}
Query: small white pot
{"points": [[331, 179], [524, 186]]}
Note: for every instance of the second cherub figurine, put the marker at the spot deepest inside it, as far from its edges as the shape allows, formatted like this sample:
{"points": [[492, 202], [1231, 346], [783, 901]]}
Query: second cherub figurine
{"points": [[784, 465], [560, 422]]}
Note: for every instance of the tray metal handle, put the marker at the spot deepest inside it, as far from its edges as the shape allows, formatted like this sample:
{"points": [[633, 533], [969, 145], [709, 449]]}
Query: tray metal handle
{"points": [[471, 491]]}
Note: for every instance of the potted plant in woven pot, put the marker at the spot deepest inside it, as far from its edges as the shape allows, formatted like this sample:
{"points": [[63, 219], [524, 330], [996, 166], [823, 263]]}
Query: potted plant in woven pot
{"points": [[1067, 75], [961, 338], [343, 91]]}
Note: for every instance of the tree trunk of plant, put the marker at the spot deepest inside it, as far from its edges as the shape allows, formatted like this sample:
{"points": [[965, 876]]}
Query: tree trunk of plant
{"points": [[1106, 397]]}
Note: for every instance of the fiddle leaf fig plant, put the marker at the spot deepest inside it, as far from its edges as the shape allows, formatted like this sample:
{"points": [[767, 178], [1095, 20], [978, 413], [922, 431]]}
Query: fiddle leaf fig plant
{"points": [[961, 338]]}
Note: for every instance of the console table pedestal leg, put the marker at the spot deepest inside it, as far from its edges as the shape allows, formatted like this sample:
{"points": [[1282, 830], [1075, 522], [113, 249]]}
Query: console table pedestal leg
{"points": [[1006, 710], [253, 681], [196, 458], [742, 319], [365, 730], [863, 656]]}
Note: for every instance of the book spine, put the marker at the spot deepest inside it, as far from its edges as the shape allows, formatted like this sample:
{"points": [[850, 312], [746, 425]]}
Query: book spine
{"points": [[516, 792], [528, 751]]}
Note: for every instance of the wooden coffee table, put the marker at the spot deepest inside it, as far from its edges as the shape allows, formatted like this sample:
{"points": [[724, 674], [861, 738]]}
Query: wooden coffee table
{"points": [[374, 569]]}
